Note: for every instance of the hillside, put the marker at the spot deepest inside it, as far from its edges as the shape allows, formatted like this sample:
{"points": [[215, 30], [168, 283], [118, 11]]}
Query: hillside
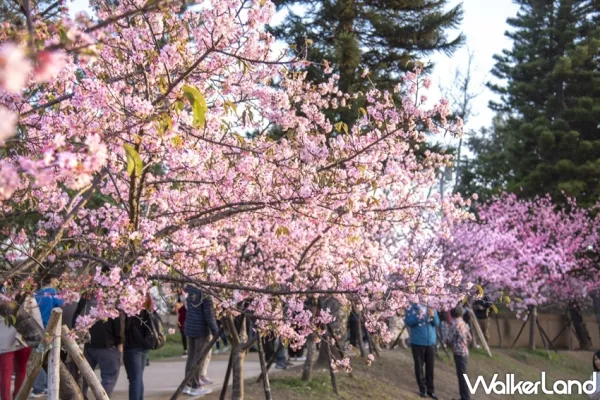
{"points": [[391, 376]]}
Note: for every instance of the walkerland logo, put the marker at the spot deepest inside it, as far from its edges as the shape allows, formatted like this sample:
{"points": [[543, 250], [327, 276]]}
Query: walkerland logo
{"points": [[512, 386]]}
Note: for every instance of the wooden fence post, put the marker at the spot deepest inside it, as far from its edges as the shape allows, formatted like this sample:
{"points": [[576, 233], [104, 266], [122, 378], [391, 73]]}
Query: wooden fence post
{"points": [[36, 360], [54, 358], [84, 367]]}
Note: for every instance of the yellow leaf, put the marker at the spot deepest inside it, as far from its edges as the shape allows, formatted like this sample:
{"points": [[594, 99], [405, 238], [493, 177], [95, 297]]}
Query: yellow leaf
{"points": [[134, 161], [198, 103], [363, 111], [229, 105], [479, 289], [282, 230]]}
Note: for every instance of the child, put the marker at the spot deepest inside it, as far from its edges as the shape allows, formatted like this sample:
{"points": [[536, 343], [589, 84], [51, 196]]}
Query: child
{"points": [[596, 366], [459, 338]]}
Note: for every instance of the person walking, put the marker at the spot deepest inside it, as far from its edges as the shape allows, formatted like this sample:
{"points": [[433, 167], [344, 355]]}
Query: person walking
{"points": [[47, 299], [200, 326], [458, 339], [136, 349], [105, 346], [481, 308], [423, 322], [14, 352]]}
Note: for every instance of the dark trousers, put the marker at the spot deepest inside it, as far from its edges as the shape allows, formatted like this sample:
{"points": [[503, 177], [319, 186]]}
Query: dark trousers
{"points": [[135, 362], [109, 361], [461, 369], [424, 356], [196, 346], [183, 340]]}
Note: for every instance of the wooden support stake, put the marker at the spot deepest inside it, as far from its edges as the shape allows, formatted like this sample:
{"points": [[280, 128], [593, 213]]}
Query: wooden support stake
{"points": [[331, 371], [520, 331], [398, 338], [84, 367], [227, 377], [36, 359], [558, 335], [478, 332], [499, 333], [271, 360], [263, 367], [545, 335], [54, 358]]}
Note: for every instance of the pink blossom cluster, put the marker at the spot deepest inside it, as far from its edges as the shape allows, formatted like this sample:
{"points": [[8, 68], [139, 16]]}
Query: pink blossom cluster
{"points": [[532, 250]]}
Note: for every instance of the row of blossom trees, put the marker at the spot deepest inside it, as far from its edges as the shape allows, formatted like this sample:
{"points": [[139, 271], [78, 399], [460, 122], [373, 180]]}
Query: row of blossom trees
{"points": [[536, 252], [126, 162]]}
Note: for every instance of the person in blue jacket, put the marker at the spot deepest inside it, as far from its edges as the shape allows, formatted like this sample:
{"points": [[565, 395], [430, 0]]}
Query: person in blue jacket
{"points": [[47, 299], [423, 322]]}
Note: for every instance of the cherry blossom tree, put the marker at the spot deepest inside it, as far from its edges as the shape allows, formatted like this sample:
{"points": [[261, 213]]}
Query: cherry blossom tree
{"points": [[534, 251], [127, 145]]}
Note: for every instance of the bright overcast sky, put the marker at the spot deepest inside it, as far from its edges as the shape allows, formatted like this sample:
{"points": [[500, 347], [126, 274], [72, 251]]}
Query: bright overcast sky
{"points": [[484, 25]]}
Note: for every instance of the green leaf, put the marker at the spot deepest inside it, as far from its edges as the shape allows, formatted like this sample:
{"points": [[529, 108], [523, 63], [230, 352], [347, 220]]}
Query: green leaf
{"points": [[198, 103], [134, 161]]}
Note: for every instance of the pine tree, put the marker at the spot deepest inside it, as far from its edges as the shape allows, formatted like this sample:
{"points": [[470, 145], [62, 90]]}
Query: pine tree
{"points": [[385, 37], [550, 95]]}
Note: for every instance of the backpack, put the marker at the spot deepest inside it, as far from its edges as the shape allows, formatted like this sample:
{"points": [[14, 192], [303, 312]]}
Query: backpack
{"points": [[152, 335], [155, 333]]}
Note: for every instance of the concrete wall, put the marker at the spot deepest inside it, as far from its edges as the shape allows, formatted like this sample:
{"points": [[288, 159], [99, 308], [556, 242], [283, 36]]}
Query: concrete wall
{"points": [[507, 326]]}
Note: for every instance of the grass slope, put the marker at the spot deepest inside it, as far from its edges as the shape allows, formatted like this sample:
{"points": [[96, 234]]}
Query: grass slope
{"points": [[391, 377]]}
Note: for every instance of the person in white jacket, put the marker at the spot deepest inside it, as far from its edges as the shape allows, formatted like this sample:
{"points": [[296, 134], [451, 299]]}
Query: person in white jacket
{"points": [[596, 365], [14, 352]]}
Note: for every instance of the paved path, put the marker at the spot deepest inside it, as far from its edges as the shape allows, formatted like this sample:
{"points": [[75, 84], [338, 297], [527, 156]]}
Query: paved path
{"points": [[162, 377]]}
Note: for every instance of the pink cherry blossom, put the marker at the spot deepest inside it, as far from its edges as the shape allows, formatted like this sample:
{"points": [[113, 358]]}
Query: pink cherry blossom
{"points": [[14, 67]]}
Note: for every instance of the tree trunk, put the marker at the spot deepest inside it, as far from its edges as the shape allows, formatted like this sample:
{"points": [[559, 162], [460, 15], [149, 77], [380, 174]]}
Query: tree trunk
{"points": [[310, 355], [239, 346], [581, 331], [338, 328], [237, 390], [533, 319]]}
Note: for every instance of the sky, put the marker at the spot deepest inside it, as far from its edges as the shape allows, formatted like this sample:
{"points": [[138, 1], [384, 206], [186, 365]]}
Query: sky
{"points": [[484, 25]]}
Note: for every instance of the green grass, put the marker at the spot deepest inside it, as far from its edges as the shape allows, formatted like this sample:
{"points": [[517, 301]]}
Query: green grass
{"points": [[172, 348]]}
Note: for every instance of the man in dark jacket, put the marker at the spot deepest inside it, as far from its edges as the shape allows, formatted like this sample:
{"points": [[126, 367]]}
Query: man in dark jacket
{"points": [[200, 325], [423, 322], [104, 347]]}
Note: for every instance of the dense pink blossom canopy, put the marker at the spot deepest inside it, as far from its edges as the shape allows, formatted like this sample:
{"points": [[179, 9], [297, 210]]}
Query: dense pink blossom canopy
{"points": [[138, 139]]}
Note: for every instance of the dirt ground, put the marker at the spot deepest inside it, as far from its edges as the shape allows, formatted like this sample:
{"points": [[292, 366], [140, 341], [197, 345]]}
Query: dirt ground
{"points": [[391, 376]]}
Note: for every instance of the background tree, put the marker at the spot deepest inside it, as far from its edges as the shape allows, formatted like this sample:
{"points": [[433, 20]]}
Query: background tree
{"points": [[385, 37], [549, 85]]}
